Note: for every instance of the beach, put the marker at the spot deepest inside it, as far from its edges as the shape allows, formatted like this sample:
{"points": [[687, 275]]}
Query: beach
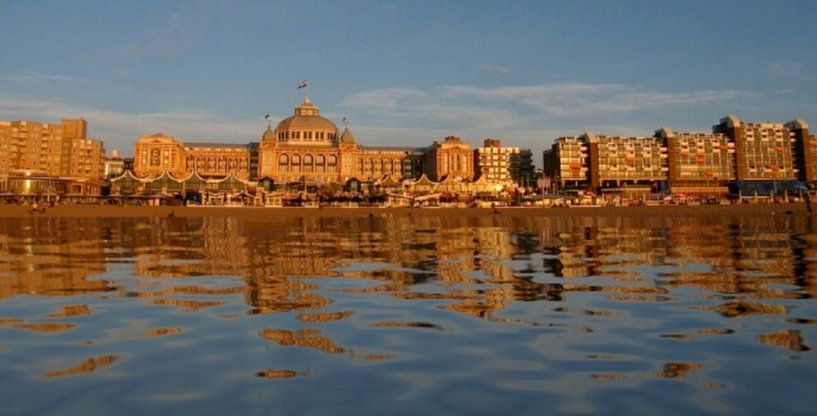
{"points": [[275, 214]]}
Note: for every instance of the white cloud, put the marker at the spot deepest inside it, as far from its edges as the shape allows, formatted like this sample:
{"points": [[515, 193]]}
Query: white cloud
{"points": [[35, 77], [574, 99]]}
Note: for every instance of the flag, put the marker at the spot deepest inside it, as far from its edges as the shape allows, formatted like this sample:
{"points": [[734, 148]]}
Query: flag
{"points": [[345, 119], [266, 117], [303, 84]]}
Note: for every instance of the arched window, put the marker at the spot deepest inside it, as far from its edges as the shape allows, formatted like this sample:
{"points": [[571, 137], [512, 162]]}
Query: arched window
{"points": [[283, 163], [332, 164], [308, 166], [320, 164], [296, 163], [155, 157]]}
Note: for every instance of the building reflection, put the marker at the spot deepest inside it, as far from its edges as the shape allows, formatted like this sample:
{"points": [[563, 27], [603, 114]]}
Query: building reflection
{"points": [[474, 266]]}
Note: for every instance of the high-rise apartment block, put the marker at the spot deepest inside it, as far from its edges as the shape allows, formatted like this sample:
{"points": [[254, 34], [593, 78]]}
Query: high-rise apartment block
{"points": [[500, 164], [735, 152], [763, 151], [567, 162], [50, 149], [697, 160]]}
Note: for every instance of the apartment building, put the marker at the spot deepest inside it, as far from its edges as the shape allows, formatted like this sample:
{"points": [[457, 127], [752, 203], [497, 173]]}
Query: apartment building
{"points": [[496, 163], [763, 151], [630, 162], [566, 163], [698, 162]]}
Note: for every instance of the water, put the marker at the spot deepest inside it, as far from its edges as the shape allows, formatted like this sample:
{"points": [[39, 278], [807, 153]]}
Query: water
{"points": [[408, 315]]}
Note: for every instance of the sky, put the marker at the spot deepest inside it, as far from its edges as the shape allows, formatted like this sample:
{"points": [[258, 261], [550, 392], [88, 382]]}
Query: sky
{"points": [[407, 72]]}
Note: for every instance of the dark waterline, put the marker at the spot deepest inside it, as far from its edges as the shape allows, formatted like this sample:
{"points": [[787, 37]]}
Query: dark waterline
{"points": [[408, 315]]}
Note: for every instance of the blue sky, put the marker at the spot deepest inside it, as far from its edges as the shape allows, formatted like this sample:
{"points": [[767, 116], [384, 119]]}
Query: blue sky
{"points": [[407, 72]]}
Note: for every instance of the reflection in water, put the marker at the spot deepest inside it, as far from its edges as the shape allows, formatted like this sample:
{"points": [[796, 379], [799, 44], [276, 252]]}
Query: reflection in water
{"points": [[520, 311], [786, 338], [88, 366], [162, 332], [71, 311], [307, 338], [277, 374]]}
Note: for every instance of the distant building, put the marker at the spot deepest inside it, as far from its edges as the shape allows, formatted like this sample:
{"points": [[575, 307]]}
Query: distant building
{"points": [[308, 148], [636, 163], [566, 163], [763, 151], [522, 170], [33, 153], [496, 163], [750, 157], [805, 151], [698, 162], [159, 153], [114, 165], [451, 158]]}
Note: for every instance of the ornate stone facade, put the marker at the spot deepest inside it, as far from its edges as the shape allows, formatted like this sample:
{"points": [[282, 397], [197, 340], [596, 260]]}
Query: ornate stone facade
{"points": [[306, 147], [453, 157], [159, 153]]}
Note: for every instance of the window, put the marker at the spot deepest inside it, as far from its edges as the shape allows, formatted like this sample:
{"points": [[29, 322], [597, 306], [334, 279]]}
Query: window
{"points": [[320, 164], [283, 163], [332, 163], [296, 163], [155, 157]]}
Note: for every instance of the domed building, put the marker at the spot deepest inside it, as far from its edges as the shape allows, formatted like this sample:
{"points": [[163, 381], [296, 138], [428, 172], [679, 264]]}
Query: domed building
{"points": [[306, 147]]}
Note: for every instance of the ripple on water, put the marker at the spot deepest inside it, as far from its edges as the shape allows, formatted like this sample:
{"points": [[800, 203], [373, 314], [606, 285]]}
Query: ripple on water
{"points": [[439, 315], [88, 365]]}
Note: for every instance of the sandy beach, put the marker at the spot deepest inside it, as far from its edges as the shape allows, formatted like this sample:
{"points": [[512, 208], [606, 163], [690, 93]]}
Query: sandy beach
{"points": [[261, 214]]}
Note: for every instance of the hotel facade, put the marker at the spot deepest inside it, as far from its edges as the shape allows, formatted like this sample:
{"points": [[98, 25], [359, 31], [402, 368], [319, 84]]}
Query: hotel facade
{"points": [[735, 153], [303, 148]]}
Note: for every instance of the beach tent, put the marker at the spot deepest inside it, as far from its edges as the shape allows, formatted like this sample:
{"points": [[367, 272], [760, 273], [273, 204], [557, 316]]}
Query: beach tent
{"points": [[127, 184], [422, 185], [195, 183], [164, 183], [231, 183]]}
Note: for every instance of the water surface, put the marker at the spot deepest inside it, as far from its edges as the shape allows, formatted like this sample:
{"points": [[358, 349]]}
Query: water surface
{"points": [[404, 315]]}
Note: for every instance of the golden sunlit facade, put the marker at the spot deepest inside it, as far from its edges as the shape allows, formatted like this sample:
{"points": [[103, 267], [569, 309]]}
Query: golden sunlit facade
{"points": [[50, 149], [160, 153], [49, 158], [307, 147], [451, 158]]}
